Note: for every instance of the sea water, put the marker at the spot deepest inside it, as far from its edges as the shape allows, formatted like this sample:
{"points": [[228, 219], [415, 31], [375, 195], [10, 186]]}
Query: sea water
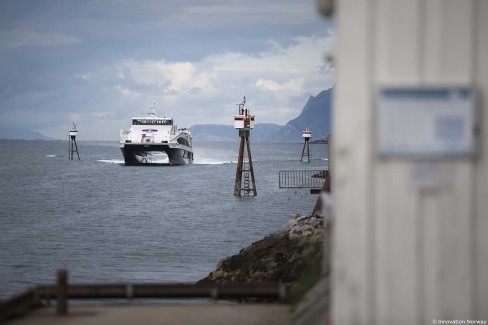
{"points": [[106, 222]]}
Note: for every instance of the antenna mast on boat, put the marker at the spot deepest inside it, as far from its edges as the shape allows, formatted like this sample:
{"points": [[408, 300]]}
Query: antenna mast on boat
{"points": [[152, 113]]}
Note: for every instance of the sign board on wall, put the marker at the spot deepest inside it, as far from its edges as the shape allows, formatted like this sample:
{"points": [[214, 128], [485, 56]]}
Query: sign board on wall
{"points": [[426, 122]]}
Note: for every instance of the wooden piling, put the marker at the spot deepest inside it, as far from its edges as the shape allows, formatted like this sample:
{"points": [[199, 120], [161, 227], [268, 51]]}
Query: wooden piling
{"points": [[240, 162], [306, 150], [62, 292], [238, 185], [251, 168], [327, 187]]}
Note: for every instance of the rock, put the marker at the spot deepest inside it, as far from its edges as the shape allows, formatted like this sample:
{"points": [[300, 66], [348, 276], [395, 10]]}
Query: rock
{"points": [[314, 222], [317, 236], [282, 256], [271, 266], [306, 233], [219, 264], [302, 218], [216, 275]]}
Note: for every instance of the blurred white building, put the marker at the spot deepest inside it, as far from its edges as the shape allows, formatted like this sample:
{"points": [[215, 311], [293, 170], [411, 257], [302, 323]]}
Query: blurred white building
{"points": [[410, 241]]}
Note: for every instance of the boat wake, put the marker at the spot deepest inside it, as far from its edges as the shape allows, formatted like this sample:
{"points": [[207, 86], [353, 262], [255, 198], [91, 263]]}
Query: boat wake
{"points": [[210, 161], [111, 161], [214, 156], [200, 161]]}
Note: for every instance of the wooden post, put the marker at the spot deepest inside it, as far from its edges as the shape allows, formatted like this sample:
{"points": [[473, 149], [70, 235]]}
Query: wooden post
{"points": [[73, 147], [251, 167], [306, 150], [327, 187], [244, 122], [244, 135], [62, 289], [76, 149], [238, 181]]}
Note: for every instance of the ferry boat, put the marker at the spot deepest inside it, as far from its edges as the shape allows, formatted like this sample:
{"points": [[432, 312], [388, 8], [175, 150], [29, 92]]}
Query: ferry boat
{"points": [[156, 141]]}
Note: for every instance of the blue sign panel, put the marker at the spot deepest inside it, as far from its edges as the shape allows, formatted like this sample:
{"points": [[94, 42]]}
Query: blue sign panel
{"points": [[426, 122]]}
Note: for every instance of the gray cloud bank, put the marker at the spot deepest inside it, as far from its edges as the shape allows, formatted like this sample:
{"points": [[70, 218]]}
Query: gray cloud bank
{"points": [[99, 62]]}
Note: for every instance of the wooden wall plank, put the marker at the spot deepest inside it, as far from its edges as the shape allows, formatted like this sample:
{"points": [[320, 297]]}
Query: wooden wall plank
{"points": [[455, 56], [480, 226], [429, 298], [456, 245], [397, 62], [397, 30], [400, 273], [432, 42], [447, 61], [382, 245], [351, 256], [448, 42]]}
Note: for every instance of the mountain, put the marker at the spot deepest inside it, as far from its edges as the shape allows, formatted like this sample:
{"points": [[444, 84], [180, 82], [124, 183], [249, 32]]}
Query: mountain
{"points": [[213, 132], [315, 115], [265, 131], [218, 132], [11, 133]]}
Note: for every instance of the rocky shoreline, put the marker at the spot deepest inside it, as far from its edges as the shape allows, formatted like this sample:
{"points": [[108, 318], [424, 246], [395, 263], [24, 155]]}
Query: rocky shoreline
{"points": [[287, 256]]}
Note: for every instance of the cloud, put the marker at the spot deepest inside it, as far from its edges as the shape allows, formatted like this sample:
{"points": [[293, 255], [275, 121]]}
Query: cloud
{"points": [[169, 79], [288, 64], [17, 38], [276, 82], [247, 13], [128, 94], [84, 76], [304, 55], [271, 79], [195, 59], [291, 86]]}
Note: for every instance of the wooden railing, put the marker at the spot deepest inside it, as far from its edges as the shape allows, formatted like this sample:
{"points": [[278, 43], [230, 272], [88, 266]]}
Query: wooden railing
{"points": [[62, 292], [19, 304]]}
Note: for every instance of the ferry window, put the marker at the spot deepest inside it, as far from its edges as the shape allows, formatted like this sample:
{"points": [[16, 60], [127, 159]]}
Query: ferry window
{"points": [[183, 142], [151, 122]]}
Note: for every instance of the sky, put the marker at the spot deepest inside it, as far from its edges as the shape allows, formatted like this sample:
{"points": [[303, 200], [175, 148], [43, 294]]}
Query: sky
{"points": [[99, 62]]}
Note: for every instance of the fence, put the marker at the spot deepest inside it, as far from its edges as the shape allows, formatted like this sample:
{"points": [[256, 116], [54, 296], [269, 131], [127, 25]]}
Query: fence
{"points": [[62, 292], [302, 178]]}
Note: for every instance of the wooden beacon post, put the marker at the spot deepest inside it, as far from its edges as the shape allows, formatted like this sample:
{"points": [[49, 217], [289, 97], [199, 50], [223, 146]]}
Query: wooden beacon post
{"points": [[307, 135], [73, 147], [244, 122], [62, 292]]}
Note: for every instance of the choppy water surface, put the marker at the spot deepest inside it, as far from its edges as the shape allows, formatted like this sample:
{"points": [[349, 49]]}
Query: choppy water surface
{"points": [[106, 222]]}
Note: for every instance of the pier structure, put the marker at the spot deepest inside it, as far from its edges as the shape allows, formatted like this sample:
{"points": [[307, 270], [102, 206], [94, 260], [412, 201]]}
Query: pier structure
{"points": [[73, 147], [307, 135], [244, 181]]}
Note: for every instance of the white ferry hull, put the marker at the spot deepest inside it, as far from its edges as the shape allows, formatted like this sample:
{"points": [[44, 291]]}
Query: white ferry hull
{"points": [[143, 154]]}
